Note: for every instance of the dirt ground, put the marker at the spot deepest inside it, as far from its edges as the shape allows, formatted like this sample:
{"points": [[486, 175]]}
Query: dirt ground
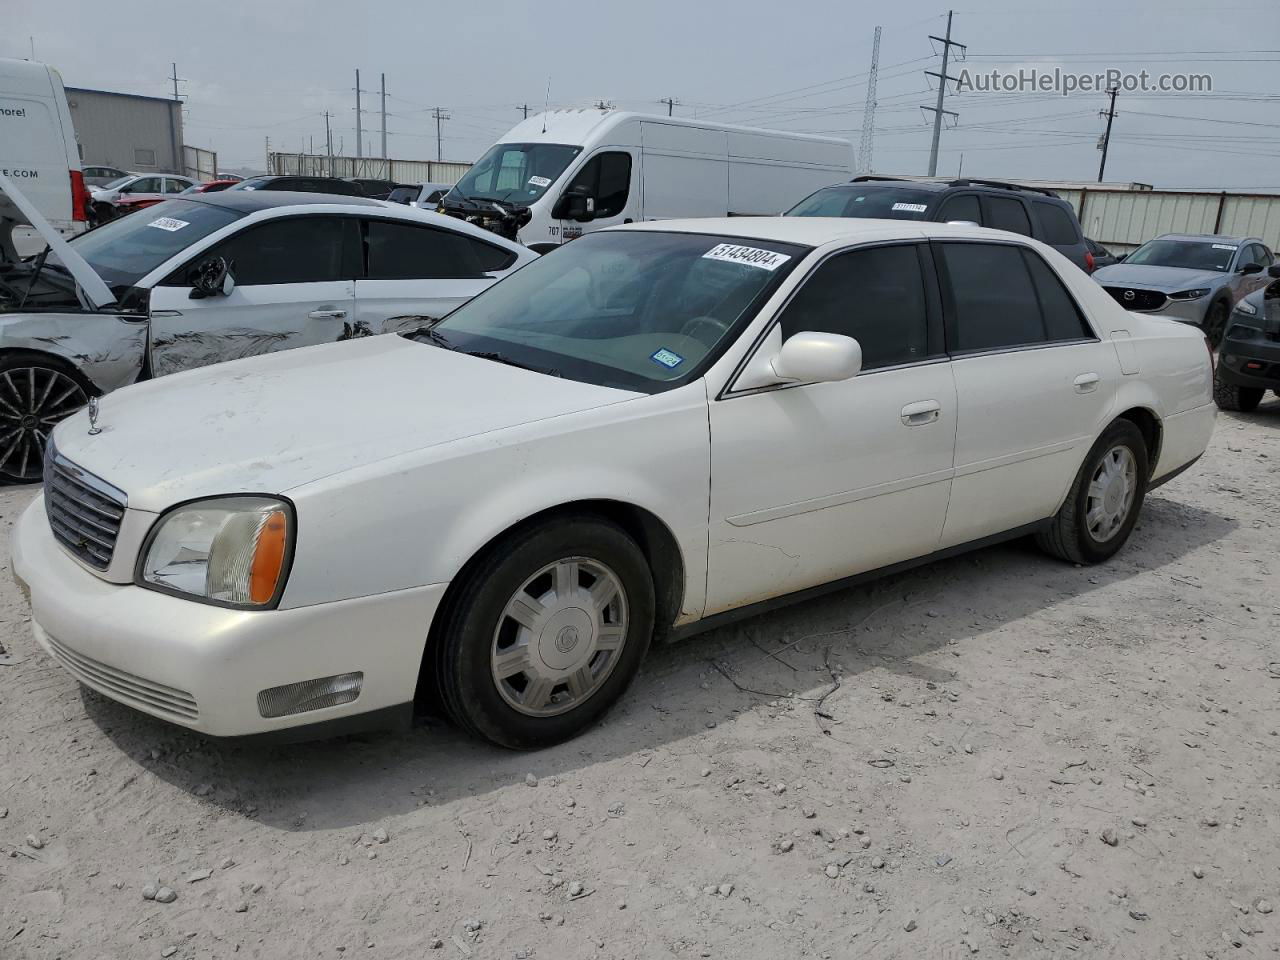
{"points": [[997, 755]]}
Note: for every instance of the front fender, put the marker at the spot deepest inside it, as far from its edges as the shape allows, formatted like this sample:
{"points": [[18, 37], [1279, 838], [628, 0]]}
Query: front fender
{"points": [[106, 348]]}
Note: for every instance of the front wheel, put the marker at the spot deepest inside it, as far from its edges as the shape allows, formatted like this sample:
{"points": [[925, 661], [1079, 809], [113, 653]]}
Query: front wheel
{"points": [[1100, 510], [1228, 396], [546, 632], [1215, 322], [35, 395]]}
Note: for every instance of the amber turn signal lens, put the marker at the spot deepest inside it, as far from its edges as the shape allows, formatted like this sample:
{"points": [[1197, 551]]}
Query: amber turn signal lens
{"points": [[268, 558]]}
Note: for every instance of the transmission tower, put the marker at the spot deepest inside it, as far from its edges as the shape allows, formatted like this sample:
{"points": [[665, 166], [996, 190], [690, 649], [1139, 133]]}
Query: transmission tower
{"points": [[869, 111]]}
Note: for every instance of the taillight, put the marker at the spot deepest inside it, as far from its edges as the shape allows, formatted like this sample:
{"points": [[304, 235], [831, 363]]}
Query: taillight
{"points": [[1088, 261], [79, 197]]}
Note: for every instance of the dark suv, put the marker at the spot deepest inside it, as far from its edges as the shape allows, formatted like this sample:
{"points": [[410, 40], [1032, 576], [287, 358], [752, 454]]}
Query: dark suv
{"points": [[302, 184], [1030, 211], [1249, 355]]}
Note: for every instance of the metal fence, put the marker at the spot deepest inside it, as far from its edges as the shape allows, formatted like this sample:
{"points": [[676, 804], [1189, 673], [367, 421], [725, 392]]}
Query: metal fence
{"points": [[198, 163], [1123, 220], [400, 171]]}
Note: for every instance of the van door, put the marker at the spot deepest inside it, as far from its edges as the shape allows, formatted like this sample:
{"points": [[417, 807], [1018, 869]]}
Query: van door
{"points": [[685, 171], [605, 182], [33, 143]]}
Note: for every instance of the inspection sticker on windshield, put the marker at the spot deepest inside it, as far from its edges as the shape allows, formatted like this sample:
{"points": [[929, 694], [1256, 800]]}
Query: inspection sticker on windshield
{"points": [[168, 223], [911, 207], [668, 358], [539, 182], [1223, 246], [751, 256]]}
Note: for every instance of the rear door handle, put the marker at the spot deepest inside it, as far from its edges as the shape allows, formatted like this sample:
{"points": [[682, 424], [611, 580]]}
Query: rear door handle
{"points": [[1087, 382], [327, 314], [921, 412]]}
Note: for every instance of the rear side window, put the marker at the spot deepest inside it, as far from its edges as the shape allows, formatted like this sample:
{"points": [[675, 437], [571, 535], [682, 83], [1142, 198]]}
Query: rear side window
{"points": [[1057, 225], [405, 251], [287, 250], [1006, 213], [875, 295], [963, 207], [1002, 296]]}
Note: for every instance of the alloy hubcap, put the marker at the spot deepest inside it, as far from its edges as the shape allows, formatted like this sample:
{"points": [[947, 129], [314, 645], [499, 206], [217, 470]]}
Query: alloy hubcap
{"points": [[559, 637], [1111, 493], [32, 402]]}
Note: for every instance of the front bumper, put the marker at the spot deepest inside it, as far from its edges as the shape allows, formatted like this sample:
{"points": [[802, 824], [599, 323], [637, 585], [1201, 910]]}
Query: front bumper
{"points": [[1184, 311], [1250, 363], [202, 666]]}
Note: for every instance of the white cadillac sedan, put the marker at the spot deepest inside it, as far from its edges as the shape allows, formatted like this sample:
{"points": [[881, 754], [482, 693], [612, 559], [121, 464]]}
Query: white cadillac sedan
{"points": [[656, 429]]}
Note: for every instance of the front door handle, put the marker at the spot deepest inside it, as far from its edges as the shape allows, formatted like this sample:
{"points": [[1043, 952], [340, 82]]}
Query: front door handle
{"points": [[327, 314], [1087, 382], [921, 412]]}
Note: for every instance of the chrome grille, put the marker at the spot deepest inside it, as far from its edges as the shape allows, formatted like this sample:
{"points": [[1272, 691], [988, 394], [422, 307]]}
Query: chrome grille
{"points": [[84, 511], [124, 686]]}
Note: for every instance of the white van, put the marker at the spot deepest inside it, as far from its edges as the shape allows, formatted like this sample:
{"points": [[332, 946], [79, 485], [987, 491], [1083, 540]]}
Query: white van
{"points": [[38, 151], [561, 173]]}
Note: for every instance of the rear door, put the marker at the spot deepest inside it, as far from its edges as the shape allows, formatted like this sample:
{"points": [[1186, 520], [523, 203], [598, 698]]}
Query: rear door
{"points": [[1034, 384], [1059, 229], [417, 270], [1005, 213], [294, 287]]}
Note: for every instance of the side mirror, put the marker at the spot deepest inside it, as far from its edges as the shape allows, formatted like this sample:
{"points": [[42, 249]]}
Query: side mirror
{"points": [[1273, 271], [1249, 269], [817, 358], [212, 279], [576, 203], [1121, 257]]}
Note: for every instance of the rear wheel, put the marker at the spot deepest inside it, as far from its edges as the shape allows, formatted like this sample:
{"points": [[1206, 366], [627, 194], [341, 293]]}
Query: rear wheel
{"points": [[546, 632], [1215, 322], [1228, 396], [35, 395], [1100, 510]]}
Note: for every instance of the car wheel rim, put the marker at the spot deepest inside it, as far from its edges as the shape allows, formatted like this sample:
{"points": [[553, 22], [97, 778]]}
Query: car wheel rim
{"points": [[32, 402], [1111, 493], [559, 637]]}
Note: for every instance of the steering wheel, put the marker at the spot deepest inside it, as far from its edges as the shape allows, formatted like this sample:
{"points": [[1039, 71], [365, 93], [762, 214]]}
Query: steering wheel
{"points": [[698, 328]]}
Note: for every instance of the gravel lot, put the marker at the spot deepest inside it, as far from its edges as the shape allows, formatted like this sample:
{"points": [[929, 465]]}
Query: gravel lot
{"points": [[997, 755]]}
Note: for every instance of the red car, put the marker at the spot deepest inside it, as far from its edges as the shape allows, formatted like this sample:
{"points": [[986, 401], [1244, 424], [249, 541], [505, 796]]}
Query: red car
{"points": [[211, 186]]}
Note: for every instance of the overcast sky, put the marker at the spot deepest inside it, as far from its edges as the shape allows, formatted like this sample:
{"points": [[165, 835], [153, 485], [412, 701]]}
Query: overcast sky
{"points": [[272, 69]]}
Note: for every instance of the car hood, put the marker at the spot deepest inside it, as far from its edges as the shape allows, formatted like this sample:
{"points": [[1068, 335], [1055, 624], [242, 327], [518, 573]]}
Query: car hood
{"points": [[269, 424], [1167, 279]]}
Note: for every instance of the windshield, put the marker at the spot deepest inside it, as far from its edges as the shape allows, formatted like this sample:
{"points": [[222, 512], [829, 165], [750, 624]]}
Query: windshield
{"points": [[639, 310], [1191, 254], [516, 172], [117, 182], [124, 251], [865, 200]]}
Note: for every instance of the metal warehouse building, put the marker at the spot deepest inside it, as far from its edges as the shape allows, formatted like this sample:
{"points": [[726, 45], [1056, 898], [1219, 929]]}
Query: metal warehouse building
{"points": [[127, 130]]}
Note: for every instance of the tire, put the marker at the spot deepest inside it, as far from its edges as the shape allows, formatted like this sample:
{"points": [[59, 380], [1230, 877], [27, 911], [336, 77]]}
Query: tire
{"points": [[36, 393], [1071, 535], [554, 562], [1215, 322], [1228, 396]]}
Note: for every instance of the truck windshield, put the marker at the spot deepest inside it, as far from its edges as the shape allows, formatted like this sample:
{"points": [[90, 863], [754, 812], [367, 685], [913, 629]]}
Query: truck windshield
{"points": [[516, 172], [124, 251], [862, 200], [1189, 254], [639, 310]]}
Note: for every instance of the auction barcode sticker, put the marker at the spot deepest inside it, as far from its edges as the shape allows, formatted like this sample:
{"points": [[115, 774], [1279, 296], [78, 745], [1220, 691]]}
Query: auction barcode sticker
{"points": [[911, 207], [168, 223], [539, 181], [751, 256], [1224, 246]]}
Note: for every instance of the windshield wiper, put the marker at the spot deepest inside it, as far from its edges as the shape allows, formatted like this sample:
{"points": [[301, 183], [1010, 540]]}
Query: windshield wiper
{"points": [[430, 335], [503, 358], [35, 276]]}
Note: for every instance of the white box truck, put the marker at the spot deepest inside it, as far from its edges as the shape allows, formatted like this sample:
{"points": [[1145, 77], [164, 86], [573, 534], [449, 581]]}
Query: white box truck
{"points": [[38, 151], [561, 173]]}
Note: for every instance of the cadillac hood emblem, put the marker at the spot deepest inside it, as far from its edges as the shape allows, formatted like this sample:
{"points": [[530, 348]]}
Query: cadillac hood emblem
{"points": [[94, 429]]}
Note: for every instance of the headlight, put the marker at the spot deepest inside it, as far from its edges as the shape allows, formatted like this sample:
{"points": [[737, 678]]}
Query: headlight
{"points": [[1247, 308], [1195, 294], [231, 551]]}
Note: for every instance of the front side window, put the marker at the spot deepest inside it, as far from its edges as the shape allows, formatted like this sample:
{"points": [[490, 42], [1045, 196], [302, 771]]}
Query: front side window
{"points": [[1191, 254], [1254, 253], [1003, 296], [288, 250], [640, 310], [1056, 223], [875, 295], [405, 251], [1006, 213], [865, 200], [516, 172], [607, 178]]}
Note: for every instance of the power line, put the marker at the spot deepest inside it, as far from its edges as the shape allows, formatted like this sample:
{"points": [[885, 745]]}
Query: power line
{"points": [[671, 103]]}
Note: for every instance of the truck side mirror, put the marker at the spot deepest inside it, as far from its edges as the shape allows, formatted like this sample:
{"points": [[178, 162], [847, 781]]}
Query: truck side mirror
{"points": [[576, 203]]}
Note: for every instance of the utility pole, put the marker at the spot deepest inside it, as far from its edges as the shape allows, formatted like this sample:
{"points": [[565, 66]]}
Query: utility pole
{"points": [[525, 108], [936, 110], [1110, 114], [869, 111], [439, 114], [267, 152], [174, 135], [384, 116], [359, 135], [328, 144], [671, 103]]}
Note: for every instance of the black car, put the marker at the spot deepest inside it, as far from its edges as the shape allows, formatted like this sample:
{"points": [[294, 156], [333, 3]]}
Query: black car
{"points": [[1249, 355], [373, 188], [299, 184], [1030, 211], [1102, 257]]}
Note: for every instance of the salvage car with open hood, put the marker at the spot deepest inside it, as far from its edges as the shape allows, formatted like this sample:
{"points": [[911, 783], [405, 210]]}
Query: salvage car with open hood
{"points": [[212, 277]]}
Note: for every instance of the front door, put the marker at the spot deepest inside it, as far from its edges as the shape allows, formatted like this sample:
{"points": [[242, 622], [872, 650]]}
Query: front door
{"points": [[605, 181], [294, 287], [816, 482]]}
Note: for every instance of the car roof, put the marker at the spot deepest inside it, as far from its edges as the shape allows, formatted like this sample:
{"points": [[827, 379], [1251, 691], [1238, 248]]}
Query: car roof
{"points": [[1220, 237], [931, 186], [251, 201], [816, 231]]}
